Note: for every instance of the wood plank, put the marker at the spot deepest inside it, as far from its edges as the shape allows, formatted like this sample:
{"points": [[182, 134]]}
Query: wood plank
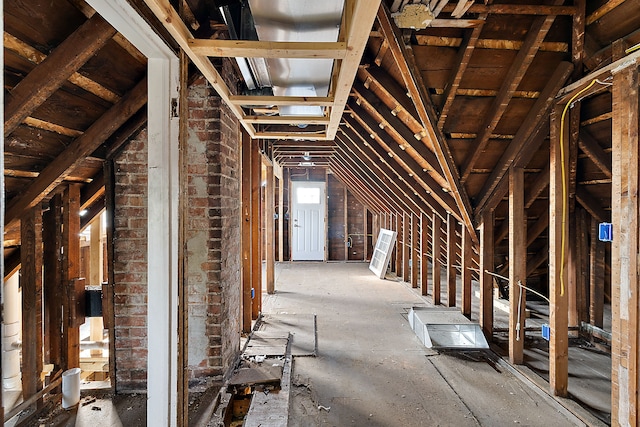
{"points": [[517, 70], [414, 250], [467, 265], [517, 266], [252, 100], [436, 236], [270, 254], [52, 243], [399, 244], [108, 302], [626, 247], [81, 147], [70, 273], [31, 283], [592, 205], [594, 151], [426, 111], [517, 9], [47, 77], [558, 271], [406, 247], [487, 266], [603, 10], [246, 228], [424, 249], [596, 277], [268, 49], [452, 250]]}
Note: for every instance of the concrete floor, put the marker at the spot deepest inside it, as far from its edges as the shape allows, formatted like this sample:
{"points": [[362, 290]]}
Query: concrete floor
{"points": [[371, 369]]}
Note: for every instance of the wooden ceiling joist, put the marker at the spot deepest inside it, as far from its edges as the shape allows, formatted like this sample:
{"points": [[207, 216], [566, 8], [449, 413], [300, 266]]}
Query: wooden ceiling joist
{"points": [[427, 115], [249, 100], [517, 9], [49, 75], [81, 147], [519, 67], [268, 49]]}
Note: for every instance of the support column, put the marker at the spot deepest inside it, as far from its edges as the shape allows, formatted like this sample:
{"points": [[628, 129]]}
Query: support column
{"points": [[625, 248], [281, 217], [424, 259], [246, 232], [406, 246], [256, 234], [596, 277], [269, 226], [467, 265], [71, 272], [486, 280], [52, 245], [415, 250], [451, 260], [95, 278], [399, 244], [436, 235], [31, 282], [558, 269], [517, 265]]}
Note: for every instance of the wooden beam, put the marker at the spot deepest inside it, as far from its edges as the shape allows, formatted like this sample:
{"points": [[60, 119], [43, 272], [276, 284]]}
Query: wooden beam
{"points": [[252, 100], [426, 111], [287, 120], [517, 266], [558, 271], [415, 250], [528, 131], [351, 174], [270, 254], [281, 182], [49, 75], [594, 151], [467, 265], [70, 274], [436, 236], [603, 10], [256, 234], [625, 248], [31, 283], [66, 162], [592, 205], [399, 244], [424, 258], [596, 277], [518, 69], [487, 266], [268, 49], [516, 9], [362, 191], [246, 227], [467, 46], [452, 251], [406, 247]]}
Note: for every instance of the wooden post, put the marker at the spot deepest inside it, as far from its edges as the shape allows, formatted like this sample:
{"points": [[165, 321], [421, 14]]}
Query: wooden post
{"points": [[399, 244], [625, 248], [31, 282], [436, 235], [424, 260], [596, 277], [366, 234], [281, 218], [345, 219], [517, 265], [108, 293], [451, 260], [246, 232], [415, 250], [71, 272], [558, 271], [467, 264], [406, 246], [52, 240], [582, 273], [270, 255], [256, 234], [486, 280], [95, 278]]}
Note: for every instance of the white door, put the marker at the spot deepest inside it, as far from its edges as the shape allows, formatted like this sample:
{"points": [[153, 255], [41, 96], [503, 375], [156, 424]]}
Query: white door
{"points": [[308, 233]]}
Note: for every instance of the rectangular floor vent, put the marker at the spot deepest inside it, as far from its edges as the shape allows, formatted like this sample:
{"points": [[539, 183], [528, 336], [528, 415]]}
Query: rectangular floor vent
{"points": [[446, 328]]}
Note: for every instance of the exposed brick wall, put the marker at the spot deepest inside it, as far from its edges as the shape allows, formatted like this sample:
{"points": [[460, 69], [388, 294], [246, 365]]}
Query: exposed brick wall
{"points": [[213, 246], [130, 266]]}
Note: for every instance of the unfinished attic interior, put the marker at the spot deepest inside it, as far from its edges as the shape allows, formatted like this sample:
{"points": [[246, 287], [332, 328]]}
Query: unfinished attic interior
{"points": [[171, 169]]}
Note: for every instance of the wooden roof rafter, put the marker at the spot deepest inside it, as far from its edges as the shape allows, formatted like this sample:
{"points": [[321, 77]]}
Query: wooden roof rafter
{"points": [[426, 112], [367, 198]]}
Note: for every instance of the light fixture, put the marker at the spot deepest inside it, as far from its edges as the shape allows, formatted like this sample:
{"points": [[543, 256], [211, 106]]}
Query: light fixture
{"points": [[306, 157]]}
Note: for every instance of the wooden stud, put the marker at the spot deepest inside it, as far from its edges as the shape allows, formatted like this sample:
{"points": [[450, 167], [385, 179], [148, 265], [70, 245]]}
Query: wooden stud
{"points": [[108, 303], [71, 273], [517, 266], [281, 218], [415, 250], [95, 278], [558, 271], [269, 226], [452, 250], [345, 220], [596, 277], [256, 235], [625, 247], [467, 265], [406, 246], [436, 236], [52, 246], [246, 229], [399, 245], [487, 266], [424, 258], [31, 283]]}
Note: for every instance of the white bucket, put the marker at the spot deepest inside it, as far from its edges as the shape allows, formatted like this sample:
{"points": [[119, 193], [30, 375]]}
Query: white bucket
{"points": [[70, 388]]}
